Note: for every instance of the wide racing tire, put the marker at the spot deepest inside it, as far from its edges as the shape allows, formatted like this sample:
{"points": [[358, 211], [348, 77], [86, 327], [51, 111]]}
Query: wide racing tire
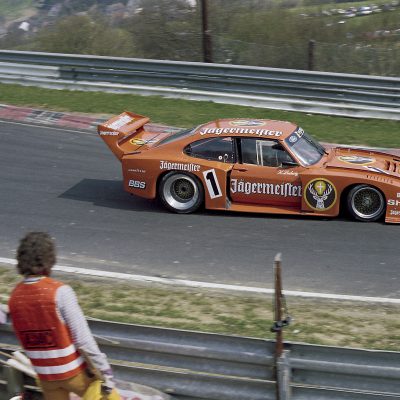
{"points": [[181, 193], [366, 203]]}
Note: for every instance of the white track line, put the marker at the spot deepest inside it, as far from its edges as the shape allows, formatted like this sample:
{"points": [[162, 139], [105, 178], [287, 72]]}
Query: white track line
{"points": [[208, 285], [49, 126]]}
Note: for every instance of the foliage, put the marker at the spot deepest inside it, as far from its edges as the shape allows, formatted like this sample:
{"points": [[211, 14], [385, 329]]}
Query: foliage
{"points": [[76, 5], [82, 35], [165, 30], [276, 33], [13, 7]]}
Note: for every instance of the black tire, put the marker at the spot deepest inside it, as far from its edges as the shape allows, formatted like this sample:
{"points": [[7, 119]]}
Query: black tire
{"points": [[366, 203], [181, 193]]}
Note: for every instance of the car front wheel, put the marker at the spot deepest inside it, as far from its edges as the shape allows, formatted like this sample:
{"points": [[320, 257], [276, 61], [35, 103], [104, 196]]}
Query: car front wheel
{"points": [[365, 203], [181, 193]]}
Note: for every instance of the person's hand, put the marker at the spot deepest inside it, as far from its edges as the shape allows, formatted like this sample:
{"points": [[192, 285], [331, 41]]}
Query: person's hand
{"points": [[108, 385]]}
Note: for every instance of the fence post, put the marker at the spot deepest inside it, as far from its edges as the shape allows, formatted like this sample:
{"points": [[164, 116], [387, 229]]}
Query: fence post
{"points": [[207, 47], [282, 367], [278, 306], [311, 54], [15, 381], [283, 375]]}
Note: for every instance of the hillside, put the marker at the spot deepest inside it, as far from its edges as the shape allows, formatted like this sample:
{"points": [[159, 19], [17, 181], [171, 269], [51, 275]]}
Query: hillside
{"points": [[353, 37], [14, 10]]}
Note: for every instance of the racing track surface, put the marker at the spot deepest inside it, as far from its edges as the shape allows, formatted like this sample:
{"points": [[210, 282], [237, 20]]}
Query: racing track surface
{"points": [[69, 183]]}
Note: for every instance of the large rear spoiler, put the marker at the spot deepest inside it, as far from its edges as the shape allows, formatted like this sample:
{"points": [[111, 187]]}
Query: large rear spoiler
{"points": [[118, 130]]}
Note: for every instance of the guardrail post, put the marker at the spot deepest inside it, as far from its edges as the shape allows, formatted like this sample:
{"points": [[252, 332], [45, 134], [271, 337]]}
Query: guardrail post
{"points": [[283, 375], [15, 381]]}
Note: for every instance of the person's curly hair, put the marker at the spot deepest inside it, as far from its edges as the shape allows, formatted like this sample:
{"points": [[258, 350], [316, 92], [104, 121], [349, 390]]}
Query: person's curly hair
{"points": [[36, 254]]}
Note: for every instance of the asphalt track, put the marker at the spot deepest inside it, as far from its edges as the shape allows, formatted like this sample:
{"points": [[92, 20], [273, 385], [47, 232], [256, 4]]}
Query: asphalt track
{"points": [[68, 183]]}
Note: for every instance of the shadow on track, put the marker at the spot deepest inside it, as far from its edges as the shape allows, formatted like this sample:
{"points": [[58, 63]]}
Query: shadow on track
{"points": [[110, 194]]}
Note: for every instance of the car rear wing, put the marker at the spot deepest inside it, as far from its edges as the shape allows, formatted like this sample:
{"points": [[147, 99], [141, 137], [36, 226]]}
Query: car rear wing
{"points": [[119, 130]]}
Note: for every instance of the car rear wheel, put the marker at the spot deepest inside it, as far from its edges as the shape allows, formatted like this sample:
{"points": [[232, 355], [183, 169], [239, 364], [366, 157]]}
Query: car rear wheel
{"points": [[181, 193], [365, 203]]}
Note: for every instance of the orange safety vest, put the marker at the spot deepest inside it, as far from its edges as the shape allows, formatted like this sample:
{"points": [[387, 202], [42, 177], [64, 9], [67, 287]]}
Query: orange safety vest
{"points": [[44, 336]]}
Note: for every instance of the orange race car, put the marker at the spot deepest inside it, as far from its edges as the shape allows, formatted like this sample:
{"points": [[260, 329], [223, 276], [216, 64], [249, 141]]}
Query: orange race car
{"points": [[252, 165]]}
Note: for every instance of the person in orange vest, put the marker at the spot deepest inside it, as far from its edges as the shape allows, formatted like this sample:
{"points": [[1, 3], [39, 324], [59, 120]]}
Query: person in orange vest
{"points": [[50, 324]]}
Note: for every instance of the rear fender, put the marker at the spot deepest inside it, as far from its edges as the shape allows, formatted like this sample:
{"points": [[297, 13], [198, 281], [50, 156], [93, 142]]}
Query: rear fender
{"points": [[213, 180]]}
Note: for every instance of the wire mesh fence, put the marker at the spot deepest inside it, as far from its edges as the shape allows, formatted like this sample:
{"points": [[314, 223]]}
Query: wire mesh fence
{"points": [[326, 57]]}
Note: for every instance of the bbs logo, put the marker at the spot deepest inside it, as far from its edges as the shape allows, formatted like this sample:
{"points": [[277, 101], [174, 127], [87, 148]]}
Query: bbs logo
{"points": [[137, 184]]}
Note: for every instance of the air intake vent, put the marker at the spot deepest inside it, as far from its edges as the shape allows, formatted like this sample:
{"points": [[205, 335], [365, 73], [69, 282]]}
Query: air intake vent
{"points": [[393, 166]]}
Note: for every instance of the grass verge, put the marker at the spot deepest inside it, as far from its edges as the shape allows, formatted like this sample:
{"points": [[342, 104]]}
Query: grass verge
{"points": [[186, 113], [337, 323], [12, 9]]}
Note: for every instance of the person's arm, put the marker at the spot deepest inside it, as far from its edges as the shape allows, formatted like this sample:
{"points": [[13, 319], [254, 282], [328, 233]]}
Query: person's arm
{"points": [[3, 313], [71, 313]]}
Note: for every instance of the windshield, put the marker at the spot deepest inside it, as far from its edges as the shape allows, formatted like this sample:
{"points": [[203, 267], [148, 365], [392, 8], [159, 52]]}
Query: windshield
{"points": [[176, 136], [306, 149]]}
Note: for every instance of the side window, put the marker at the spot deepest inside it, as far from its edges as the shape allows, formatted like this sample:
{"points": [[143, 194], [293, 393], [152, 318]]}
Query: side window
{"points": [[218, 149], [268, 153], [283, 157], [249, 151]]}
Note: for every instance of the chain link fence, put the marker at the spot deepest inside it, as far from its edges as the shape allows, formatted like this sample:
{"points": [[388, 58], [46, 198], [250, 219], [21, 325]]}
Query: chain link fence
{"points": [[358, 59], [382, 58], [326, 57]]}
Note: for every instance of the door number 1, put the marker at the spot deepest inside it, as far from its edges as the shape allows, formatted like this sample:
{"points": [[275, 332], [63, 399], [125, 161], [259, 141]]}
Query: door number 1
{"points": [[213, 187]]}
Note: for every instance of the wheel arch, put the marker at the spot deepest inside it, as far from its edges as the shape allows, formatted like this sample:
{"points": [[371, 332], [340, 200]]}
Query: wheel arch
{"points": [[346, 191], [197, 182], [345, 203], [176, 171], [343, 198]]}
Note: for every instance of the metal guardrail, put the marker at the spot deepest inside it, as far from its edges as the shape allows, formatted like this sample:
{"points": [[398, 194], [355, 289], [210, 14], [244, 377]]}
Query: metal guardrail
{"points": [[329, 93], [201, 366]]}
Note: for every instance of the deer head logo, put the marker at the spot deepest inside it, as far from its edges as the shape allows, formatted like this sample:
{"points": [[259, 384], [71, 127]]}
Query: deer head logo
{"points": [[320, 191]]}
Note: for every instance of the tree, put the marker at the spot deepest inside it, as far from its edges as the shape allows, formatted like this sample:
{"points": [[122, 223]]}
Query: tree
{"points": [[168, 29], [82, 35]]}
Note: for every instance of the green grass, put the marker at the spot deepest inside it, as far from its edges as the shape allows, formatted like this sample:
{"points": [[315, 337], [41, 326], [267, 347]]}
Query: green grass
{"points": [[12, 9], [185, 113], [315, 321]]}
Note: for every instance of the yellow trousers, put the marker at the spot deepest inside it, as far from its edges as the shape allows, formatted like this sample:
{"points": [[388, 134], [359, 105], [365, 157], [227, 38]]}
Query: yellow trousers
{"points": [[60, 390], [79, 384]]}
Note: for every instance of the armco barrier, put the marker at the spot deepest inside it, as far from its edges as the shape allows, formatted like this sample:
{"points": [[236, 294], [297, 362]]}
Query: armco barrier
{"points": [[203, 366], [319, 92]]}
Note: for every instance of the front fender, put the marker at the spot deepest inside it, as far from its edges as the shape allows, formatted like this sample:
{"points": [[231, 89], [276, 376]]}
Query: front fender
{"points": [[321, 195]]}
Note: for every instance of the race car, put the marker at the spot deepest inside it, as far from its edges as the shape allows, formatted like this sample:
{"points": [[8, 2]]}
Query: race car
{"points": [[252, 165]]}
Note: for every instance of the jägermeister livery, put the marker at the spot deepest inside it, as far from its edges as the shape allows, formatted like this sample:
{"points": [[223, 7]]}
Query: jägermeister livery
{"points": [[252, 165]]}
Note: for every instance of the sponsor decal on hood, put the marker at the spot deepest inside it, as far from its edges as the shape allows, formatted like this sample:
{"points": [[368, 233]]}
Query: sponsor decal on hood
{"points": [[247, 122], [359, 160]]}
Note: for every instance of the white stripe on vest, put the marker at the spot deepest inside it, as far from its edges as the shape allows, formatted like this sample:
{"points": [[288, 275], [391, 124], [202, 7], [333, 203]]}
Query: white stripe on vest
{"points": [[59, 369], [66, 351]]}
